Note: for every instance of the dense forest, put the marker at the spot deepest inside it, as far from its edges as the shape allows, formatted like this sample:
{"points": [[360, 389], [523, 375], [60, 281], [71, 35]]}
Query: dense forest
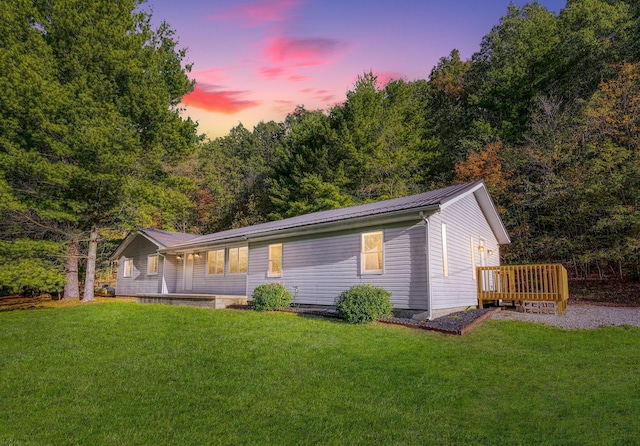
{"points": [[547, 113]]}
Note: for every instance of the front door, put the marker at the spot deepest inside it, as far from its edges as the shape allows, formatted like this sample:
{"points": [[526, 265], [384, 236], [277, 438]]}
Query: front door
{"points": [[188, 272]]}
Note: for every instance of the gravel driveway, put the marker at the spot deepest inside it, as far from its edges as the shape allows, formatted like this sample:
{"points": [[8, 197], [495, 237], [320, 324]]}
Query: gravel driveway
{"points": [[579, 316]]}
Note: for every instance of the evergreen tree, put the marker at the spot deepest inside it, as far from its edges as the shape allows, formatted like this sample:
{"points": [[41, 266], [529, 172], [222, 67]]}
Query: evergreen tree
{"points": [[90, 120]]}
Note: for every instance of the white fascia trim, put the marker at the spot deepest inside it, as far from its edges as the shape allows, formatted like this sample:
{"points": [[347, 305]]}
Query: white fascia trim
{"points": [[488, 208], [127, 241], [459, 197]]}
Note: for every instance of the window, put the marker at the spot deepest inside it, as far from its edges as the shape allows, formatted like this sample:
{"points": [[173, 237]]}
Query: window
{"points": [[152, 264], [215, 262], [127, 268], [238, 260], [275, 260], [372, 252], [445, 260]]}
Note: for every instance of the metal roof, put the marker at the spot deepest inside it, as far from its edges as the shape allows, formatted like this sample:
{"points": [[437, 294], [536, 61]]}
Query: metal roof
{"points": [[420, 201], [167, 238], [162, 239]]}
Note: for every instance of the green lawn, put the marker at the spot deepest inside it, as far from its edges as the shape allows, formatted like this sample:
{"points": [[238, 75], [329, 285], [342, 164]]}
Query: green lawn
{"points": [[124, 374]]}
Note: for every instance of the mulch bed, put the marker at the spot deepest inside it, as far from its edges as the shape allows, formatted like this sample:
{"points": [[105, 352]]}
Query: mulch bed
{"points": [[455, 323]]}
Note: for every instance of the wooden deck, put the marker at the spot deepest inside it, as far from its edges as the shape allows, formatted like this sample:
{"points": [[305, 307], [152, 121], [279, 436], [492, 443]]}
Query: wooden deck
{"points": [[194, 300], [520, 283]]}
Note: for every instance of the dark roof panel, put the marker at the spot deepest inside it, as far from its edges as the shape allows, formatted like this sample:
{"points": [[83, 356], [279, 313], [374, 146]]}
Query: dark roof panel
{"points": [[426, 199], [167, 238]]}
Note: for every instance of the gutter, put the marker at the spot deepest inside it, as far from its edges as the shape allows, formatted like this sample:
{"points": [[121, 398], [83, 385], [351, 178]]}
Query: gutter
{"points": [[311, 228]]}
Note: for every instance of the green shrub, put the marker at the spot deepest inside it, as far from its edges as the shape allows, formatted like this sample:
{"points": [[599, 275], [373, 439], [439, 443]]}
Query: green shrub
{"points": [[364, 303], [271, 296]]}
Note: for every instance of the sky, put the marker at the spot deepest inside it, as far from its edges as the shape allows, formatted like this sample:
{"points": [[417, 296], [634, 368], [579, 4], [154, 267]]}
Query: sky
{"points": [[256, 60]]}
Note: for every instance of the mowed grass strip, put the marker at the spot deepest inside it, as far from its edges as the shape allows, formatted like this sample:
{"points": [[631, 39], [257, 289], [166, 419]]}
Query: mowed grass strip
{"points": [[126, 374]]}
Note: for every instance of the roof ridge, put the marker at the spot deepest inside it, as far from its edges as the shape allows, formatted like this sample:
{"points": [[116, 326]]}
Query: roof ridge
{"points": [[423, 199]]}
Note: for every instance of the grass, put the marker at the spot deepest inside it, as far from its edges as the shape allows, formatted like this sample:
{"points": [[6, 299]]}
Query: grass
{"points": [[124, 374]]}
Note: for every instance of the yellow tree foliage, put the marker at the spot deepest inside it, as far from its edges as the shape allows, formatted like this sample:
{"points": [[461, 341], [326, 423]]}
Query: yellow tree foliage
{"points": [[615, 109]]}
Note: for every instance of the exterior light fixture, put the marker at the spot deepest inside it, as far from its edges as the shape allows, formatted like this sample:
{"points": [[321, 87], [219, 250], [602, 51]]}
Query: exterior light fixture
{"points": [[490, 252], [179, 257], [481, 248]]}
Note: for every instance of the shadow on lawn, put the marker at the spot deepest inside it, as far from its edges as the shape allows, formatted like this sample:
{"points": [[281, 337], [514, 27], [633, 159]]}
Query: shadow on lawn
{"points": [[17, 302]]}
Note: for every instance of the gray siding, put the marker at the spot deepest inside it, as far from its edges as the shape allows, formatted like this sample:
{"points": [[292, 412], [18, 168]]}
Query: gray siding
{"points": [[171, 266], [172, 270], [464, 219], [203, 283], [320, 268], [139, 282]]}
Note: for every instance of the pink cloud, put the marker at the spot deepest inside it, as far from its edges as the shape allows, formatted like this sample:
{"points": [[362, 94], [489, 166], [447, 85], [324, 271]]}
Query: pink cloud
{"points": [[208, 97], [298, 78], [283, 106], [320, 95], [271, 73], [303, 52], [212, 75], [260, 12]]}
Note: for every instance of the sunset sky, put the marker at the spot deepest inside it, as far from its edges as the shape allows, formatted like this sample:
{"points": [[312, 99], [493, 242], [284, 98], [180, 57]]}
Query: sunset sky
{"points": [[256, 60]]}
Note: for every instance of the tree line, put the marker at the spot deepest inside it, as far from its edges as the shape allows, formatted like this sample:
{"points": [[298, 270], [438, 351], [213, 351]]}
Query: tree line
{"points": [[547, 112]]}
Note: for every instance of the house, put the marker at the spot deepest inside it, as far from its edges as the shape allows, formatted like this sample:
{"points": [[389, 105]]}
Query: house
{"points": [[423, 248]]}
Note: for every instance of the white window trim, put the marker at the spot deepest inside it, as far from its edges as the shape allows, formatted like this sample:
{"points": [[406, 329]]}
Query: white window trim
{"points": [[124, 267], [363, 269], [153, 273], [270, 272], [229, 262], [445, 256], [224, 263]]}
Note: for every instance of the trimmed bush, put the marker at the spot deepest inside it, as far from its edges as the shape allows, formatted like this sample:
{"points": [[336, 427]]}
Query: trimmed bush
{"points": [[271, 296], [364, 303]]}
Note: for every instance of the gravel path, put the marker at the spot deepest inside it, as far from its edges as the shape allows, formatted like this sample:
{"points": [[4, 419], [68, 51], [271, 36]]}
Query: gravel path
{"points": [[579, 316]]}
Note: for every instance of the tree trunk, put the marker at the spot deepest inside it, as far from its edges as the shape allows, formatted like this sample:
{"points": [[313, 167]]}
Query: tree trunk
{"points": [[89, 281], [71, 285]]}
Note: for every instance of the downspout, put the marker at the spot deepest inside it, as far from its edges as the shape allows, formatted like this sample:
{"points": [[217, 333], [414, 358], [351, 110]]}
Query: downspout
{"points": [[427, 247], [163, 289]]}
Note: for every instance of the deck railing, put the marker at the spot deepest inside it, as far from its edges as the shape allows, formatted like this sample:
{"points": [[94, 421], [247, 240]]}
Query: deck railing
{"points": [[524, 283]]}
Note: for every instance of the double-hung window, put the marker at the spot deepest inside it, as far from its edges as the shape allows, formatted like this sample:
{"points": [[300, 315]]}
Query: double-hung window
{"points": [[152, 264], [275, 260], [372, 255], [215, 262], [238, 260], [127, 268]]}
